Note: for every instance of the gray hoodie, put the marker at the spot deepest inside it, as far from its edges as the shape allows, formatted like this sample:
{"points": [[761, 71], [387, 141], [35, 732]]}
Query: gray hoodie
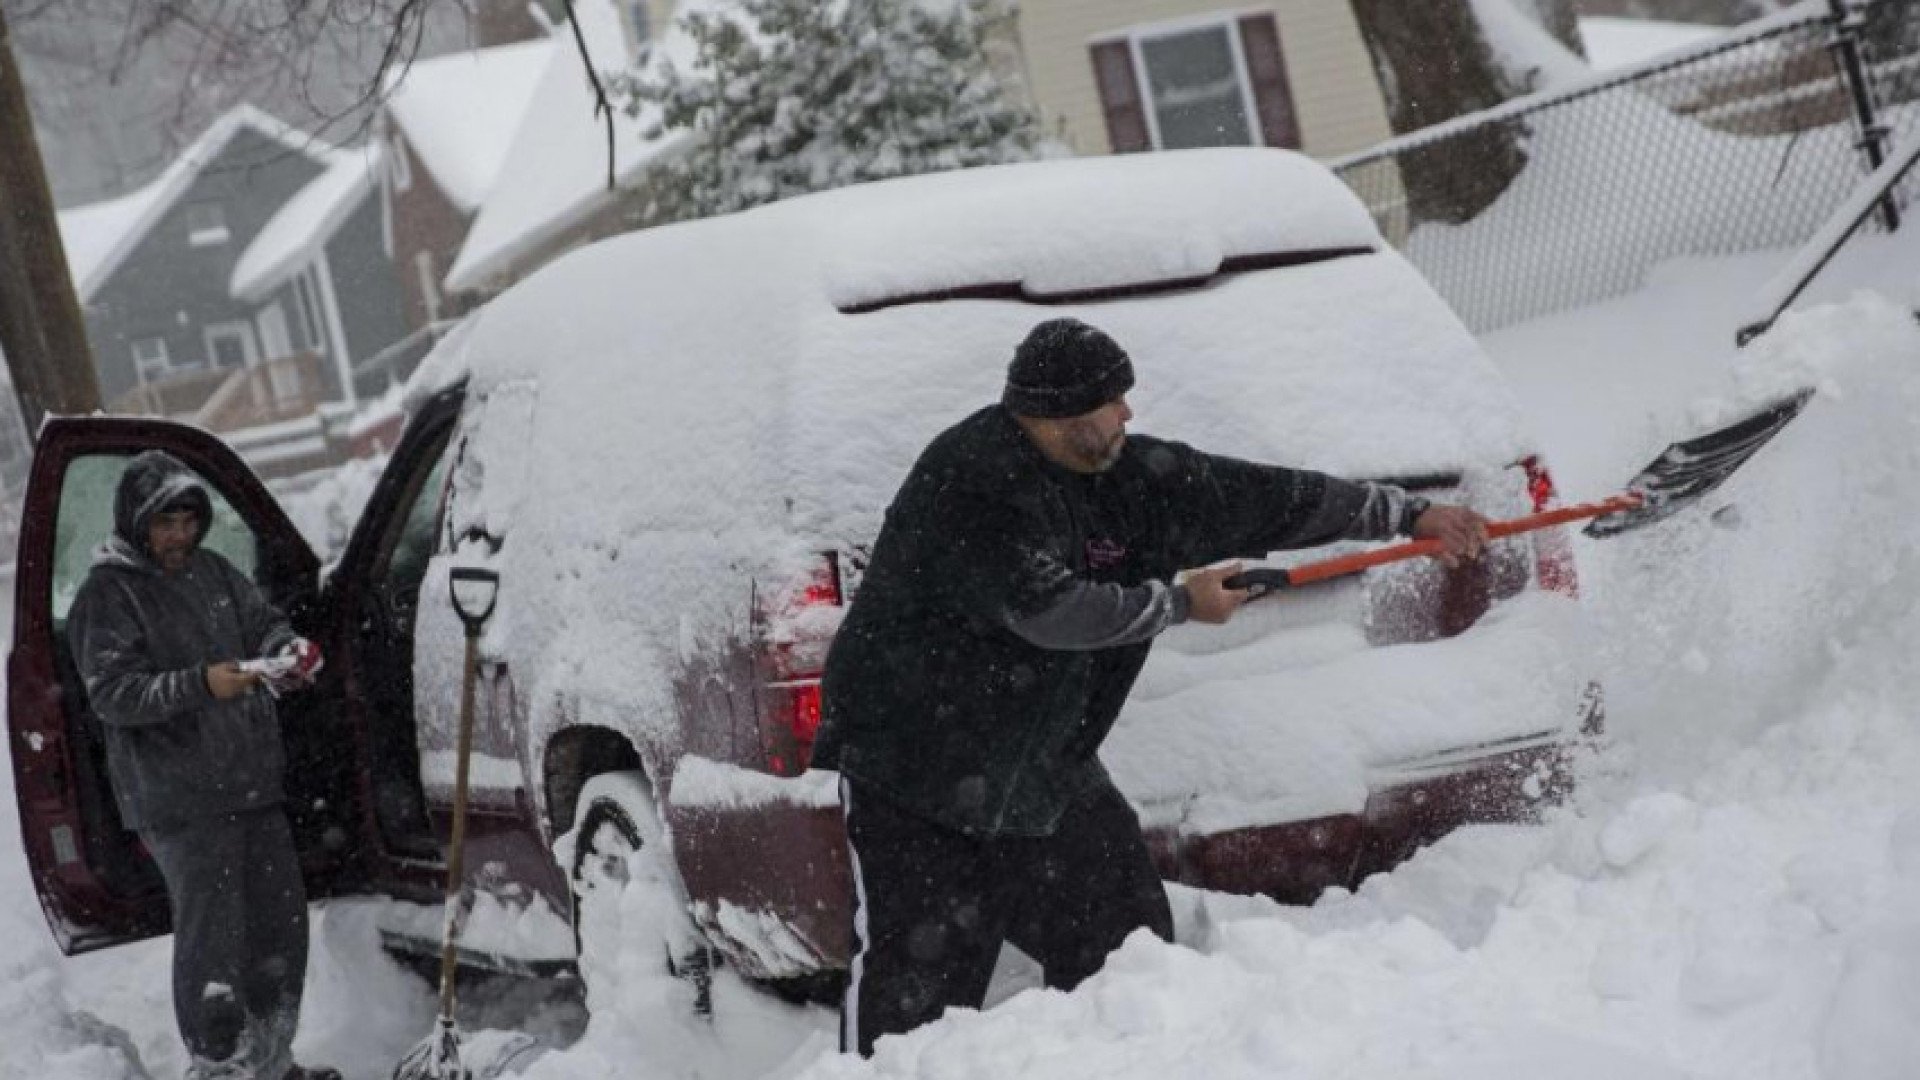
{"points": [[143, 638]]}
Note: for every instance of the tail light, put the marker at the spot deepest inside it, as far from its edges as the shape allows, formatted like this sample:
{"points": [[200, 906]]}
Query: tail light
{"points": [[1552, 551], [797, 623]]}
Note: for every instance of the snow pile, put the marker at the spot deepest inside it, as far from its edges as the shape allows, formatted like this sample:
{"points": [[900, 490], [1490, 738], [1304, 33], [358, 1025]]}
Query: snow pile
{"points": [[47, 1037], [1731, 613]]}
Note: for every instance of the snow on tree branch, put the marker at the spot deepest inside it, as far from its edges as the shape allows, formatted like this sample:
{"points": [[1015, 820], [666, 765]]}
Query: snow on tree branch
{"points": [[785, 97]]}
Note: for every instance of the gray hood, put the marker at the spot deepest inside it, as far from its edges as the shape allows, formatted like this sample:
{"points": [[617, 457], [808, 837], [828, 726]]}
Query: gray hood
{"points": [[154, 480]]}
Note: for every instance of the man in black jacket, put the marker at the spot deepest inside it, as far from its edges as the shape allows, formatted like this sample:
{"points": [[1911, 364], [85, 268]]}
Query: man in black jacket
{"points": [[159, 631], [1019, 580]]}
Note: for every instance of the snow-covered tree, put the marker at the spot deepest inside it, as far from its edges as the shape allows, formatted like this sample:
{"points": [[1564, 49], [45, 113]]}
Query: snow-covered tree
{"points": [[785, 97]]}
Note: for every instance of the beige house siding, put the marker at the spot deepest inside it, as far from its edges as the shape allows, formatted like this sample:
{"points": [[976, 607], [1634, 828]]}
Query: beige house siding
{"points": [[1336, 95]]}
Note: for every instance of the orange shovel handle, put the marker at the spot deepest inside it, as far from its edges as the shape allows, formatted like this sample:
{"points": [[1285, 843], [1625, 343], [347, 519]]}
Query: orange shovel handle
{"points": [[1350, 564]]}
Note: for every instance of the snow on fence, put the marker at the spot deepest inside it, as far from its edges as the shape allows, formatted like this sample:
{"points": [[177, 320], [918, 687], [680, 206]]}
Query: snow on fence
{"points": [[1568, 197]]}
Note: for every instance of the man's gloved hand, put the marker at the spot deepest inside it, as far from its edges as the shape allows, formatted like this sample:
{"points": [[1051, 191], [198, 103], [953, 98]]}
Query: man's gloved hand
{"points": [[292, 668], [1462, 532]]}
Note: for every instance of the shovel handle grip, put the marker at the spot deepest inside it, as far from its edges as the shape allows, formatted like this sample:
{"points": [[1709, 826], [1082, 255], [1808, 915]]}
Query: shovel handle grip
{"points": [[1261, 582]]}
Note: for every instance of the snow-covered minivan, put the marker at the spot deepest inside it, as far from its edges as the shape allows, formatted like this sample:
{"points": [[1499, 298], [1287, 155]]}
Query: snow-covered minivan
{"points": [[676, 446]]}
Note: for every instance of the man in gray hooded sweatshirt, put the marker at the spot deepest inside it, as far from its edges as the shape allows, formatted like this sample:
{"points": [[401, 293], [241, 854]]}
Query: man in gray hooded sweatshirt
{"points": [[159, 630]]}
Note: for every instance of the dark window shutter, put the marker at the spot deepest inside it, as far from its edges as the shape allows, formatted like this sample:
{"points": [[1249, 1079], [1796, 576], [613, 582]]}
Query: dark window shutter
{"points": [[1120, 97], [1267, 68]]}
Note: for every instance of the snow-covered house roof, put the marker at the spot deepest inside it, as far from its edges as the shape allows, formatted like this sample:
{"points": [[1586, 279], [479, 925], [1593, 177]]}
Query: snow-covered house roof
{"points": [[555, 174], [306, 222], [460, 112], [98, 237]]}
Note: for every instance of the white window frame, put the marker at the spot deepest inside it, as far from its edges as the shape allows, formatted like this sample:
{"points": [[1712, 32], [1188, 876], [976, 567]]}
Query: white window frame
{"points": [[306, 302], [1137, 36], [400, 162], [429, 284], [276, 338], [146, 368], [239, 329], [207, 233]]}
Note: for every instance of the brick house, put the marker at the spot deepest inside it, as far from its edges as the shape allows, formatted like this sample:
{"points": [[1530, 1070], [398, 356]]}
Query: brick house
{"points": [[446, 127]]}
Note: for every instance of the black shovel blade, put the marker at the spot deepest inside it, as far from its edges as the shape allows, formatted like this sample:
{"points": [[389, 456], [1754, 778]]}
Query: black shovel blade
{"points": [[1686, 471]]}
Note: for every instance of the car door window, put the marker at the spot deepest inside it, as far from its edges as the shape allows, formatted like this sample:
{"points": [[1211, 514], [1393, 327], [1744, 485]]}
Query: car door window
{"points": [[86, 522], [413, 546]]}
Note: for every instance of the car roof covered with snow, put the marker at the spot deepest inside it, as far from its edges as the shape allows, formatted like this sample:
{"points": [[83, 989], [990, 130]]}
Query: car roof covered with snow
{"points": [[786, 365]]}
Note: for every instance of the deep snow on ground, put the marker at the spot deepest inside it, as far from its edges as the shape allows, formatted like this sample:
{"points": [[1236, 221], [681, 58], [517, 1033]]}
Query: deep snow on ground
{"points": [[1736, 894]]}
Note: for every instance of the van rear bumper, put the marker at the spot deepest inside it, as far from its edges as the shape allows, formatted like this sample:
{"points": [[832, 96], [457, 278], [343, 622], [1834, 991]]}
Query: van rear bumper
{"points": [[1296, 861]]}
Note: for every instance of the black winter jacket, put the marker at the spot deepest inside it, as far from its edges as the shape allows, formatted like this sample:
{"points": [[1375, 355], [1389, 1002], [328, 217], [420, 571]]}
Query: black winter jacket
{"points": [[1010, 603], [142, 639]]}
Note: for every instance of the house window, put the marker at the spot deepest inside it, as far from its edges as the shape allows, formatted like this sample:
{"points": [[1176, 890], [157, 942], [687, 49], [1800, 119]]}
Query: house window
{"points": [[206, 224], [309, 303], [1217, 83], [1195, 89], [150, 360]]}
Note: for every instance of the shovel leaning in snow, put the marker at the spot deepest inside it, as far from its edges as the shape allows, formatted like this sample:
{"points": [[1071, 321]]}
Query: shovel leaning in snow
{"points": [[1682, 475], [438, 1056]]}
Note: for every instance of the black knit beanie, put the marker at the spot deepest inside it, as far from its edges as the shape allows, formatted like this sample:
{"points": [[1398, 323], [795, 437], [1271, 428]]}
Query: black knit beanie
{"points": [[1065, 368]]}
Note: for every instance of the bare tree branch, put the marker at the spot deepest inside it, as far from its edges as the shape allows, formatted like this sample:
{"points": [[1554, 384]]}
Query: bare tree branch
{"points": [[601, 106]]}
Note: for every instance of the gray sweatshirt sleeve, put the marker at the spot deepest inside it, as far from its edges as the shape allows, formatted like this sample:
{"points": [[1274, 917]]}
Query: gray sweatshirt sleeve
{"points": [[122, 686], [1090, 615]]}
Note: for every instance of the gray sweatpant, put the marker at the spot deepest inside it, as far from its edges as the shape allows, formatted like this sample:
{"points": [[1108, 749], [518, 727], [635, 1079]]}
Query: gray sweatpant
{"points": [[239, 939]]}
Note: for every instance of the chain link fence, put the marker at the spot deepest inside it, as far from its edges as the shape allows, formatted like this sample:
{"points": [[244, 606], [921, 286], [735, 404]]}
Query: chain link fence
{"points": [[1565, 198]]}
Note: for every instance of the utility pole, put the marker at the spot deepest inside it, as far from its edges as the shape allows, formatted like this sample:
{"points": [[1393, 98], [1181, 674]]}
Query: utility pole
{"points": [[41, 330]]}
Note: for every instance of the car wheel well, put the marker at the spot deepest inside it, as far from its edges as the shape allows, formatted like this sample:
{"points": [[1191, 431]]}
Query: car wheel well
{"points": [[575, 756]]}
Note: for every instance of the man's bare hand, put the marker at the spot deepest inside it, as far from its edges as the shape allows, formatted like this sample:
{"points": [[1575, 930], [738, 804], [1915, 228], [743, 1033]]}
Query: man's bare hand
{"points": [[1462, 533], [1212, 601], [226, 681]]}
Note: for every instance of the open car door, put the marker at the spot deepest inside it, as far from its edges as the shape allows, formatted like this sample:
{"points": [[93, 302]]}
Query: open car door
{"points": [[95, 879]]}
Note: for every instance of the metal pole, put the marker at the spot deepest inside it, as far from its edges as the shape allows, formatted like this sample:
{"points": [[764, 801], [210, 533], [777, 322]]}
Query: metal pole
{"points": [[55, 371], [1847, 23]]}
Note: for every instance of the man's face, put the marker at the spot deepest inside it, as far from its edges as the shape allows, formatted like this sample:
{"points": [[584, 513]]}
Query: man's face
{"points": [[170, 537], [1091, 442]]}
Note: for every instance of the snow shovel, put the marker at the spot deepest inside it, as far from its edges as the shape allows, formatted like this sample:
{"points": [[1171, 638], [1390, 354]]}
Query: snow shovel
{"points": [[438, 1056], [1682, 475]]}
